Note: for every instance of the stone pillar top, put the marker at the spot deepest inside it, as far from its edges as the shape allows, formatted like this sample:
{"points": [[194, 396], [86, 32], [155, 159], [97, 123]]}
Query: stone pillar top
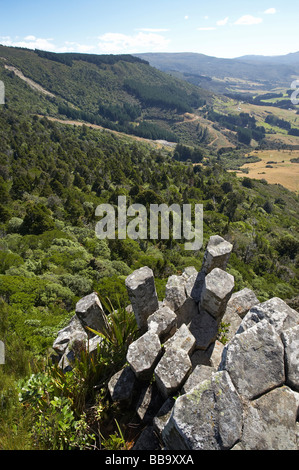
{"points": [[143, 296]]}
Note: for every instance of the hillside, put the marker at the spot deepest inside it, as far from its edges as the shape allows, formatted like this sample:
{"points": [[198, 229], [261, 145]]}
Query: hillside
{"points": [[122, 93], [53, 175], [287, 59], [125, 94], [249, 73], [52, 178]]}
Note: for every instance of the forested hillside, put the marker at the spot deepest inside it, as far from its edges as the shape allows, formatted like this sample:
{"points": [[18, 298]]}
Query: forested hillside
{"points": [[118, 92], [54, 176]]}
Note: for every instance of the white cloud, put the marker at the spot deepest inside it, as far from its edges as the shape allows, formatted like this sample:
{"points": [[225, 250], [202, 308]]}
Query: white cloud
{"points": [[206, 29], [30, 42], [45, 44], [30, 38], [186, 17], [117, 43], [222, 22], [76, 47], [248, 20], [152, 30], [270, 11]]}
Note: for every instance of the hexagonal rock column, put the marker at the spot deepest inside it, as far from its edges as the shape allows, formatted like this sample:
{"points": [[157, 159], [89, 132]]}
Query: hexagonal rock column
{"points": [[242, 301], [198, 375], [143, 296], [217, 254], [255, 360], [90, 313], [175, 294], [172, 371], [270, 422], [217, 290], [290, 340], [275, 311], [162, 322], [121, 385], [182, 339], [143, 355], [237, 307], [209, 417]]}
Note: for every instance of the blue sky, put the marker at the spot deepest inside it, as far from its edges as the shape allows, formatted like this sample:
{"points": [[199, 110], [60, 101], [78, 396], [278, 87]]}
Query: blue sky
{"points": [[219, 28]]}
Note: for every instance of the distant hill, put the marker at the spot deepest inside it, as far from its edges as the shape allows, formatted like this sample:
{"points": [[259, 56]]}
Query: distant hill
{"points": [[120, 92], [289, 59], [223, 75], [126, 94]]}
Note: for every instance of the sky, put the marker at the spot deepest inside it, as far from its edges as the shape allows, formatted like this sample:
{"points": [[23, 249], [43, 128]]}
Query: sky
{"points": [[226, 28]]}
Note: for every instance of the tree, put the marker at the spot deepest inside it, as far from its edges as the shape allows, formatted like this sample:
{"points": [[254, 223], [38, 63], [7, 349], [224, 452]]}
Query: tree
{"points": [[268, 207], [247, 182], [226, 187], [244, 136], [37, 220], [288, 245]]}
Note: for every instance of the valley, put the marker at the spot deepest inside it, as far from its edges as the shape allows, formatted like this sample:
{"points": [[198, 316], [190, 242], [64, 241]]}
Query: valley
{"points": [[252, 74]]}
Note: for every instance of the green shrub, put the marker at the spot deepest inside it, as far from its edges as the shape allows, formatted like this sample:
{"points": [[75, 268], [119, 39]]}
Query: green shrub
{"points": [[56, 293], [8, 260], [55, 424], [113, 288], [78, 284], [121, 267], [14, 225]]}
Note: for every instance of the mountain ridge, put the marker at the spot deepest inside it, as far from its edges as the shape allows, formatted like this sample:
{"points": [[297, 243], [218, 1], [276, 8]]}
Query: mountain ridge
{"points": [[290, 58], [211, 72]]}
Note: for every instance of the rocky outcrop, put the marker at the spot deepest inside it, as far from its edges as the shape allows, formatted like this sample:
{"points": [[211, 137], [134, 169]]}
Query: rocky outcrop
{"points": [[208, 417], [261, 380], [189, 390], [75, 336]]}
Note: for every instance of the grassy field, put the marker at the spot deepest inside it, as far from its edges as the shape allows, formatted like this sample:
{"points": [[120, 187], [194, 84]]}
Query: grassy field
{"points": [[231, 106], [281, 171]]}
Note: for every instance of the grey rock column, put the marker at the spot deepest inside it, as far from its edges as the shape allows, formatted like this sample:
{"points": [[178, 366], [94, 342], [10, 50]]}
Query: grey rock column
{"points": [[217, 254], [73, 331], [270, 422], [91, 314], [209, 417], [143, 296], [290, 340], [217, 290], [143, 355], [163, 322], [121, 385], [172, 371], [255, 360]]}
